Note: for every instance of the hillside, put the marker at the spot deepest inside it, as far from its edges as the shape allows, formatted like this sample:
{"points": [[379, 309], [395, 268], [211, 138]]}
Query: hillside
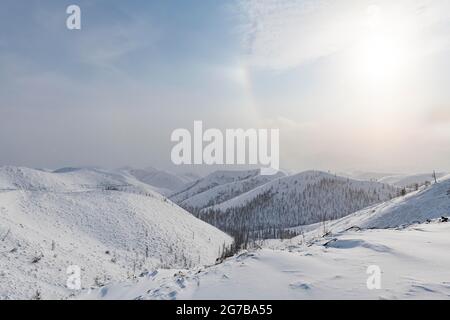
{"points": [[430, 202], [301, 199], [408, 180], [326, 266], [335, 268], [111, 225], [164, 182], [222, 192], [211, 181], [364, 175], [398, 180]]}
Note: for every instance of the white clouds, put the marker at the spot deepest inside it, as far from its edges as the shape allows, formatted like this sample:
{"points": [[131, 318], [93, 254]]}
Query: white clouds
{"points": [[286, 33], [281, 34]]}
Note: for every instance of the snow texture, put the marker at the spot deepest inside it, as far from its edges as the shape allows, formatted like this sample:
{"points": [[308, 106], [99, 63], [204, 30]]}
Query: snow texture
{"points": [[109, 224], [404, 237]]}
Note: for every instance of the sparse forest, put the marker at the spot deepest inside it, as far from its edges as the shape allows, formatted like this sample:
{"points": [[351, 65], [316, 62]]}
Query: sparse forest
{"points": [[291, 203]]}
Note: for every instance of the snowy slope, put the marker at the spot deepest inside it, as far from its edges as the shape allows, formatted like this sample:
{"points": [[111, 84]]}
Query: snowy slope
{"points": [[413, 260], [404, 180], [189, 176], [365, 175], [111, 225], [165, 182], [334, 271], [18, 178], [301, 199], [428, 203], [211, 181], [398, 180], [227, 191]]}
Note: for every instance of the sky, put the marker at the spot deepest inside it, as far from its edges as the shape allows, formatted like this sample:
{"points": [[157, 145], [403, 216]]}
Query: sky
{"points": [[351, 84]]}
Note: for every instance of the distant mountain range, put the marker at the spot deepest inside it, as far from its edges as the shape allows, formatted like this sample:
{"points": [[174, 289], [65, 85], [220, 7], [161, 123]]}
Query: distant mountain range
{"points": [[164, 182], [399, 180]]}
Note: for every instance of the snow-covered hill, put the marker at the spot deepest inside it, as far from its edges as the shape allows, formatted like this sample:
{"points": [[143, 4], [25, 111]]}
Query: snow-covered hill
{"points": [[224, 191], [430, 202], [301, 199], [398, 180], [212, 180], [414, 264], [329, 261], [405, 180], [165, 182], [109, 224], [364, 175], [18, 178]]}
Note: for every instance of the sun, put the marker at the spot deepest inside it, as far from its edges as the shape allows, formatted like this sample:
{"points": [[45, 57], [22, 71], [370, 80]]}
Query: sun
{"points": [[381, 52], [380, 57]]}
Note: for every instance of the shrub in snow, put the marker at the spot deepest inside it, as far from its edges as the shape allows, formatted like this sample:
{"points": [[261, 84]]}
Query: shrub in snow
{"points": [[36, 259]]}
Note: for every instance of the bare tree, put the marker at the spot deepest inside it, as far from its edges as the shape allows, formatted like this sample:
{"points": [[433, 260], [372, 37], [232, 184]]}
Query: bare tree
{"points": [[434, 176], [6, 235], [323, 220], [37, 295], [37, 258]]}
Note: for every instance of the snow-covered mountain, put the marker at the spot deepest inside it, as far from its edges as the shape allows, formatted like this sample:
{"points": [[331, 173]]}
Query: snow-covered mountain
{"points": [[212, 180], [115, 227], [110, 224], [398, 180], [301, 199], [327, 266], [410, 180], [164, 182], [329, 261], [428, 203], [189, 176], [364, 175], [219, 187]]}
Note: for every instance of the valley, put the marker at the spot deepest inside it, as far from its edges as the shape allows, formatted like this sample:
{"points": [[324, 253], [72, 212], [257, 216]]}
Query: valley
{"points": [[130, 241]]}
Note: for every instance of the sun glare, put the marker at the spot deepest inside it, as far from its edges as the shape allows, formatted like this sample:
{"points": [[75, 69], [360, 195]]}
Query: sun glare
{"points": [[381, 58], [381, 54]]}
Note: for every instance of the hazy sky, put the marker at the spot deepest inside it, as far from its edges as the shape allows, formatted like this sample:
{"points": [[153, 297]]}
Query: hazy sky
{"points": [[352, 84]]}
